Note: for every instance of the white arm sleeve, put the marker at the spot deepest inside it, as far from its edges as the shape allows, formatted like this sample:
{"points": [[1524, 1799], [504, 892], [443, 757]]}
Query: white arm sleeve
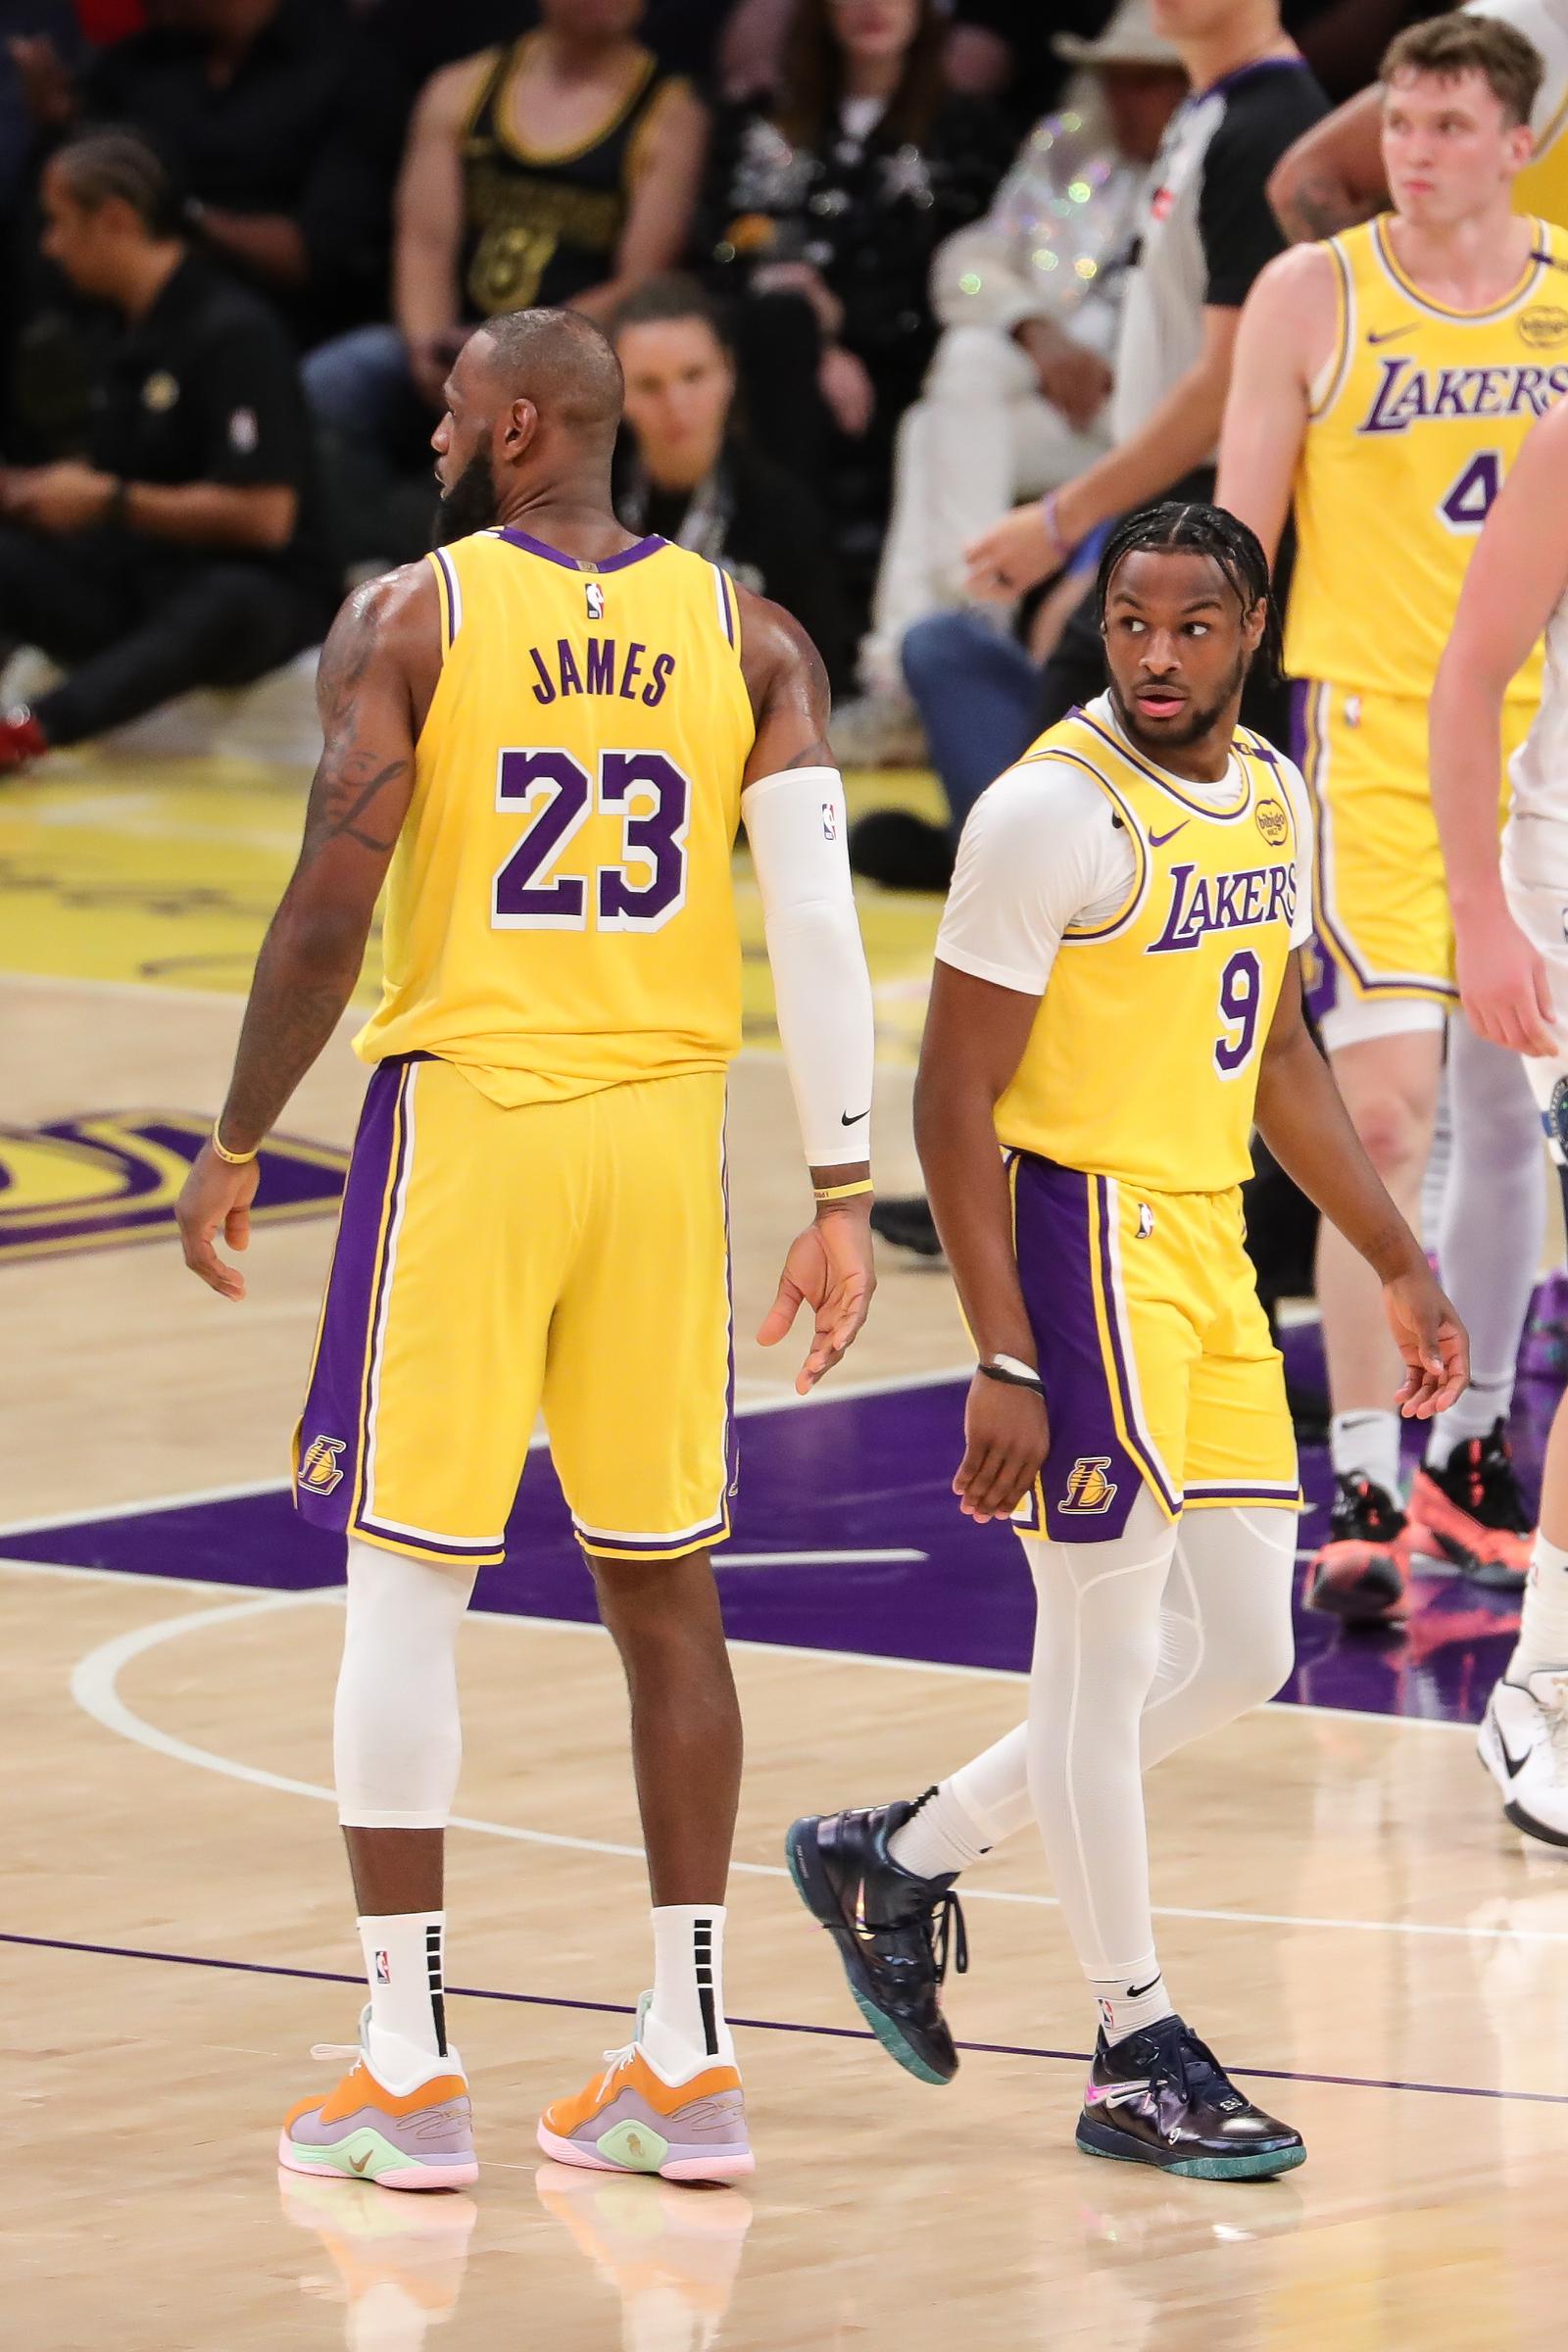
{"points": [[798, 827]]}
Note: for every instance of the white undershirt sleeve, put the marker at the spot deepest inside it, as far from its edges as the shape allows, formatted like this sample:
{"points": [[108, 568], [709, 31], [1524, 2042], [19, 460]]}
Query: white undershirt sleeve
{"points": [[1040, 852], [1306, 852], [797, 824]]}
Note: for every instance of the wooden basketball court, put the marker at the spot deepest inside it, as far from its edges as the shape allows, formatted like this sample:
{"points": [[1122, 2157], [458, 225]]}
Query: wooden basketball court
{"points": [[1344, 1911]]}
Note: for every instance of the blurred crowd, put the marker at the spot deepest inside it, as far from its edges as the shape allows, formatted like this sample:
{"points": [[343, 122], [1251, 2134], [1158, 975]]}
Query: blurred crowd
{"points": [[870, 265]]}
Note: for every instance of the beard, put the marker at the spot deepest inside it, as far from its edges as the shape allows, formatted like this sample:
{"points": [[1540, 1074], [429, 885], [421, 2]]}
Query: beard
{"points": [[470, 503], [1199, 722]]}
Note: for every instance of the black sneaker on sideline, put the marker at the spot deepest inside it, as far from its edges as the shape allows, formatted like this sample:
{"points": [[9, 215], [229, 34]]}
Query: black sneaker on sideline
{"points": [[892, 1928], [1161, 2098], [906, 1221], [901, 851]]}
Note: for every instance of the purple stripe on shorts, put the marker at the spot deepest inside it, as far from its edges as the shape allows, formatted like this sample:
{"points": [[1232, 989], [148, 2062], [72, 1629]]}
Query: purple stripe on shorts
{"points": [[331, 1438], [1051, 1228], [654, 1546], [1124, 1385], [377, 1531]]}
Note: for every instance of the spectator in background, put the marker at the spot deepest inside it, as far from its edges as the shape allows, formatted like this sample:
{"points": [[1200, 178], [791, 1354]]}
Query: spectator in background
{"points": [[686, 470], [820, 216], [562, 169], [1017, 401], [278, 119], [422, 36], [185, 552]]}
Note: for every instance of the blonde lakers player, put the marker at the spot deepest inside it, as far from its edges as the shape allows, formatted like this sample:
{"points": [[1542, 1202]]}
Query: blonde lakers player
{"points": [[1387, 380], [547, 733], [1118, 994]]}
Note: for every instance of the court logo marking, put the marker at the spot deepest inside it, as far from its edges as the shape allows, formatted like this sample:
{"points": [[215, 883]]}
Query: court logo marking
{"points": [[108, 1178]]}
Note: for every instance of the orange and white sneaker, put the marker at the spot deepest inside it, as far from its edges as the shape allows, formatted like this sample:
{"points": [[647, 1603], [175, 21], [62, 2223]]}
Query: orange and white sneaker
{"points": [[630, 2119], [1358, 1573], [419, 2135], [1472, 1512]]}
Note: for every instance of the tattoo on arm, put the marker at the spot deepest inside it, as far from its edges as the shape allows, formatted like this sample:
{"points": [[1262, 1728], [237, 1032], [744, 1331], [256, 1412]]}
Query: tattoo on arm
{"points": [[1321, 207], [348, 781]]}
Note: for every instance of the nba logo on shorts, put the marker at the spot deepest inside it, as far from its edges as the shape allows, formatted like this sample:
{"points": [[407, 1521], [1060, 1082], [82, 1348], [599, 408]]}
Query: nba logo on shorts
{"points": [[1089, 1490], [320, 1469], [383, 1968], [596, 601]]}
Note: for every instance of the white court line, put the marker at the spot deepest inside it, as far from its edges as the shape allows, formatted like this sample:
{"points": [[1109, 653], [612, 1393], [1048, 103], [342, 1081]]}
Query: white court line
{"points": [[94, 1688]]}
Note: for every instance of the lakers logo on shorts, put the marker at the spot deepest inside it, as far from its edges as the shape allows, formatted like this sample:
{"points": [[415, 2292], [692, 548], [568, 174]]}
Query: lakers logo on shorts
{"points": [[1089, 1490], [320, 1467], [1272, 823]]}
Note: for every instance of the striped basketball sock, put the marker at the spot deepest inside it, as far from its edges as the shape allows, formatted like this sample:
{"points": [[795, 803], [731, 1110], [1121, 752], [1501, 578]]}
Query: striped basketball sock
{"points": [[684, 2028], [404, 1961]]}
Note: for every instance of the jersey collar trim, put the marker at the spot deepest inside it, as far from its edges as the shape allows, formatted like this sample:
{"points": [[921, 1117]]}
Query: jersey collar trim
{"points": [[553, 555], [1157, 775], [1524, 286]]}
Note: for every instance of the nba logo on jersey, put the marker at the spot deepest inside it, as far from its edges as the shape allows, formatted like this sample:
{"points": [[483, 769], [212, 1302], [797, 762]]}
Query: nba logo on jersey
{"points": [[596, 601], [1088, 1487], [320, 1469]]}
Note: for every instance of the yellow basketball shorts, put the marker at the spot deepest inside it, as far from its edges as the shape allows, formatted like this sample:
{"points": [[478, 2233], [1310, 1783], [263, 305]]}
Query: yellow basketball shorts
{"points": [[1385, 935], [1155, 1355], [571, 1256]]}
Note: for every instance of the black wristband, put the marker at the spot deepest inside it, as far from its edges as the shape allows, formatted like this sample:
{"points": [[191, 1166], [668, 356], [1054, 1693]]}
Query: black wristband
{"points": [[1013, 1380]]}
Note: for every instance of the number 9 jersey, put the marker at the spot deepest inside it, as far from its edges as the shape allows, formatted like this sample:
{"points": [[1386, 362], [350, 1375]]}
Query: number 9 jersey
{"points": [[561, 916]]}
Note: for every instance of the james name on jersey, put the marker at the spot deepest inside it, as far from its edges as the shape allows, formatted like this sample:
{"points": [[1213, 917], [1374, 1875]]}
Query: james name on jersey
{"points": [[600, 666]]}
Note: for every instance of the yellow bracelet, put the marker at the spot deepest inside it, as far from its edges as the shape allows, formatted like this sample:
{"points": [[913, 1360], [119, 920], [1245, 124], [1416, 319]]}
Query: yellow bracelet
{"points": [[232, 1159], [843, 1192]]}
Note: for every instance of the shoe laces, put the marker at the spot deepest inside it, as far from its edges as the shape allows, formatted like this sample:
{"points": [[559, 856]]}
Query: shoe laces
{"points": [[1189, 2065], [1492, 1483], [1375, 1514], [327, 2052], [944, 1935]]}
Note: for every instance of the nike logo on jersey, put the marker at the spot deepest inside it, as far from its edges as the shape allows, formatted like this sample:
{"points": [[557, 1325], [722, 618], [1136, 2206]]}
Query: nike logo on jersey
{"points": [[1158, 841], [1392, 334]]}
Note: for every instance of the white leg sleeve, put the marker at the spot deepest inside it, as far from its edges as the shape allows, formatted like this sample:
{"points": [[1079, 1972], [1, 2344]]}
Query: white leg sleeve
{"points": [[396, 1741], [1493, 1221], [1225, 1635], [1096, 1652]]}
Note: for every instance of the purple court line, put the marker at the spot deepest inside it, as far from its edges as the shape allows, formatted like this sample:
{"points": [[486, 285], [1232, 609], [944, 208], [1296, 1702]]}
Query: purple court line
{"points": [[758, 2024]]}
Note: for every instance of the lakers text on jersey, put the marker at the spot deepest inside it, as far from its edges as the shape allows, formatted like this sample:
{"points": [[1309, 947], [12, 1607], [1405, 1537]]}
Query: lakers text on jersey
{"points": [[1421, 412], [535, 1213], [1129, 1123]]}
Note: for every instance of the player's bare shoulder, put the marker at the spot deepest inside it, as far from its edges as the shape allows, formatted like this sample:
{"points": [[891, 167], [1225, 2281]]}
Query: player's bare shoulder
{"points": [[391, 626], [1294, 304], [787, 681]]}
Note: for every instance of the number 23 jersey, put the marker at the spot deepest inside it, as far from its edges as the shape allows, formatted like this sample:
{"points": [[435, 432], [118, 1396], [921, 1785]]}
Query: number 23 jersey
{"points": [[1154, 918], [1414, 423], [561, 916]]}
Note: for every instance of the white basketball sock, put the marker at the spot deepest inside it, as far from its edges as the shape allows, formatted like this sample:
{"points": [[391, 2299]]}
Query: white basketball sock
{"points": [[685, 2029], [943, 1836], [1543, 1614], [404, 1961], [1127, 2004], [1366, 1444]]}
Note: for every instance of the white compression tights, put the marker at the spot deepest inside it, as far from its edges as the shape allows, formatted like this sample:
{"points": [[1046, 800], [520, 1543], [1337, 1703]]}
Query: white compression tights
{"points": [[397, 1739], [1140, 1645], [1494, 1219]]}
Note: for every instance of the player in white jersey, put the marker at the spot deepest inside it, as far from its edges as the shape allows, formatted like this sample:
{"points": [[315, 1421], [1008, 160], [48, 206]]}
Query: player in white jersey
{"points": [[1510, 918]]}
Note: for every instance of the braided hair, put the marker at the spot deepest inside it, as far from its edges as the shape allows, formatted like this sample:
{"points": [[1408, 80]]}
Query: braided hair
{"points": [[1180, 527]]}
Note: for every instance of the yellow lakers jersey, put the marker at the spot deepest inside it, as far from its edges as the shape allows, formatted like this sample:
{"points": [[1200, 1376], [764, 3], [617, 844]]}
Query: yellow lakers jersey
{"points": [[1422, 415], [1143, 1060], [560, 913]]}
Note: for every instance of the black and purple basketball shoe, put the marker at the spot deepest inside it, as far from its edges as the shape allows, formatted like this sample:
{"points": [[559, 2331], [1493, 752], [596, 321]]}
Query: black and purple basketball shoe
{"points": [[893, 1931], [1161, 2098]]}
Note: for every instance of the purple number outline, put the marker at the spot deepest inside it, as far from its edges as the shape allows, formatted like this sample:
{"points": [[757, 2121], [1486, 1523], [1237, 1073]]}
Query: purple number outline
{"points": [[517, 901], [1231, 1056], [656, 835], [1483, 469]]}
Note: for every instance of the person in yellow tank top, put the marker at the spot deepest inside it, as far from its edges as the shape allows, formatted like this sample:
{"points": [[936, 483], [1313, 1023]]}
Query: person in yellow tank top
{"points": [[1117, 996], [543, 738], [1385, 382]]}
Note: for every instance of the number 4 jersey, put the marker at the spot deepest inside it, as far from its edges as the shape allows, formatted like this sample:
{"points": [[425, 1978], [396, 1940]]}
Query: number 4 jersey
{"points": [[561, 916], [1416, 419], [1154, 918]]}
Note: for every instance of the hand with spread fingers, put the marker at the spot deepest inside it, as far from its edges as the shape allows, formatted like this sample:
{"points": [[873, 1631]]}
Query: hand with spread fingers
{"points": [[829, 1268], [1433, 1343]]}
